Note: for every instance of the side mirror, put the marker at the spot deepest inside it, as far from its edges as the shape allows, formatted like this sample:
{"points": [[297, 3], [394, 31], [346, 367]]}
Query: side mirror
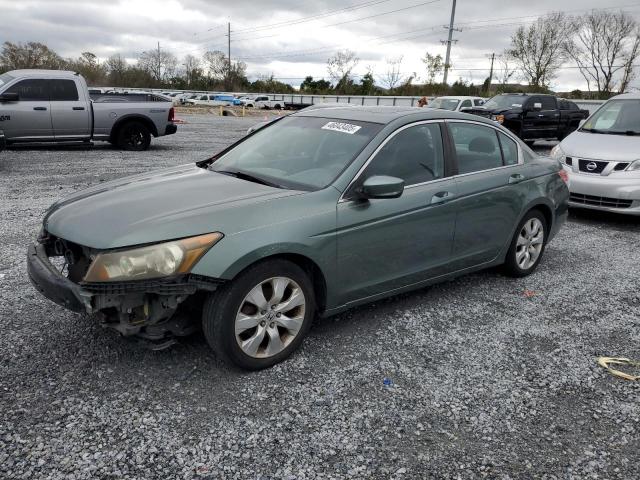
{"points": [[9, 97], [537, 106], [381, 186]]}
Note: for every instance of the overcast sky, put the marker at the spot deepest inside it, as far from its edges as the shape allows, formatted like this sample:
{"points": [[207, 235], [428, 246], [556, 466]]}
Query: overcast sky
{"points": [[278, 36]]}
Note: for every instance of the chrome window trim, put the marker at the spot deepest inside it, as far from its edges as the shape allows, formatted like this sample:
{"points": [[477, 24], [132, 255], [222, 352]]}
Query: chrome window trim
{"points": [[381, 146]]}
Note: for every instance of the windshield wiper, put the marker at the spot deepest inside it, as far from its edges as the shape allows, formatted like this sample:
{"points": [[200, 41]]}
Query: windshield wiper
{"points": [[592, 130], [248, 177], [626, 132]]}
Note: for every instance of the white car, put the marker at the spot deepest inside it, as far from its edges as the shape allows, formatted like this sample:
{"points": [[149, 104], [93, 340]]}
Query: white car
{"points": [[456, 104], [262, 101], [602, 158]]}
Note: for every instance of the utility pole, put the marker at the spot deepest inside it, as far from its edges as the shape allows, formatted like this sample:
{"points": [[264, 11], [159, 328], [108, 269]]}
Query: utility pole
{"points": [[229, 54], [493, 57], [159, 65], [449, 42]]}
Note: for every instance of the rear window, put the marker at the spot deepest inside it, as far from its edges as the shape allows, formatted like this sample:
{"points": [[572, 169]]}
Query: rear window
{"points": [[31, 90], [63, 90]]}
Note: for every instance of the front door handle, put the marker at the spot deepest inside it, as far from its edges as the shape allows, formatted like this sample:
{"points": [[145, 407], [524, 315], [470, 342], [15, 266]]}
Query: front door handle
{"points": [[39, 108], [516, 178], [78, 108], [441, 197]]}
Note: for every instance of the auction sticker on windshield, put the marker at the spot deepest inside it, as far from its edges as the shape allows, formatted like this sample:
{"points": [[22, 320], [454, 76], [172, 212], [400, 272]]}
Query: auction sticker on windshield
{"points": [[342, 127]]}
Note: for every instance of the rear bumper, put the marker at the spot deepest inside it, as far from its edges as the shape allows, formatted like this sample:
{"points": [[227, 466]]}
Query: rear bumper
{"points": [[171, 129], [619, 194], [52, 284]]}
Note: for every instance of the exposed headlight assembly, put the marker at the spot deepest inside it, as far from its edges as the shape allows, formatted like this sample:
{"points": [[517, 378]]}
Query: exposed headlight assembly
{"points": [[153, 261]]}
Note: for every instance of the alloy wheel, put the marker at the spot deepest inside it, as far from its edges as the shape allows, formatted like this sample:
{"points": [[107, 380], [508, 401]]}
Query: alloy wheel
{"points": [[530, 243], [270, 317]]}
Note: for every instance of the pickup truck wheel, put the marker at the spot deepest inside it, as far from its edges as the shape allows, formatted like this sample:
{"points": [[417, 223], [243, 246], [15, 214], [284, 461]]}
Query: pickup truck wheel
{"points": [[262, 316], [527, 245], [134, 136]]}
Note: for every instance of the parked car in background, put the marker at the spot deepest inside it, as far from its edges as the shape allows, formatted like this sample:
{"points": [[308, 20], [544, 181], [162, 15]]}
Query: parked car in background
{"points": [[533, 116], [602, 158], [215, 100], [456, 104], [316, 213], [55, 106], [263, 101], [190, 96]]}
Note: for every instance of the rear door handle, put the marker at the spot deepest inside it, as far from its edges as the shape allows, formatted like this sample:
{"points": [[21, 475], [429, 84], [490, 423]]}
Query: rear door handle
{"points": [[39, 108], [78, 108], [516, 178], [441, 197]]}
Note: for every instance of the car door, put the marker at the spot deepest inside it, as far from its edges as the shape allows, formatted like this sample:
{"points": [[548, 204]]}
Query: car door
{"points": [[549, 116], [30, 118], [465, 105], [69, 112], [386, 244], [489, 185]]}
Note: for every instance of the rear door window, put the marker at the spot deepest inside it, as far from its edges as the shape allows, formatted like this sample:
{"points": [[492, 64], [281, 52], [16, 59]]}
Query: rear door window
{"points": [[31, 90], [476, 146], [63, 91], [509, 149], [548, 103]]}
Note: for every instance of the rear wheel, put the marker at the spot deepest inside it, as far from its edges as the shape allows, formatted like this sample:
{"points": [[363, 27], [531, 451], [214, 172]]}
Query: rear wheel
{"points": [[262, 316], [527, 246], [134, 136]]}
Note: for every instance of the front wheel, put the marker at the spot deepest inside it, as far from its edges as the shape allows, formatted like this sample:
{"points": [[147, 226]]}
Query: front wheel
{"points": [[527, 245], [134, 136], [262, 316]]}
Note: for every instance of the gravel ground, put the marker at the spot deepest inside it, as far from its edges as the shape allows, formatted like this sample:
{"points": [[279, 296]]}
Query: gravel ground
{"points": [[489, 376]]}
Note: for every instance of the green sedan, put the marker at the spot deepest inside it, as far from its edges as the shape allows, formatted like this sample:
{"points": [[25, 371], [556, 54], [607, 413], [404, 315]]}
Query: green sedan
{"points": [[313, 214]]}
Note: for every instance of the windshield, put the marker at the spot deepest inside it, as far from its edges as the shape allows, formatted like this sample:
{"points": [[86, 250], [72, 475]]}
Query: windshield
{"points": [[616, 117], [444, 103], [305, 153], [505, 101], [5, 78]]}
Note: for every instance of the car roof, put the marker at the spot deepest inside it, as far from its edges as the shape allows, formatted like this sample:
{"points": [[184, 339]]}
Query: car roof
{"points": [[384, 115], [627, 96], [41, 73], [459, 97]]}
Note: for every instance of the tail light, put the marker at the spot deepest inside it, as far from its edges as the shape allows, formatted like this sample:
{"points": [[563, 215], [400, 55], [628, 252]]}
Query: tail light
{"points": [[564, 175], [172, 114]]}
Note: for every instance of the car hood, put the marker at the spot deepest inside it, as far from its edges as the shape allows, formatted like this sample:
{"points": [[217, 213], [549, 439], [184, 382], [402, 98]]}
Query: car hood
{"points": [[598, 146], [156, 206]]}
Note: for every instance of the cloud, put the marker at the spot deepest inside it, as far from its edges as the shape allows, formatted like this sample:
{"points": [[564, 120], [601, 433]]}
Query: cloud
{"points": [[297, 45]]}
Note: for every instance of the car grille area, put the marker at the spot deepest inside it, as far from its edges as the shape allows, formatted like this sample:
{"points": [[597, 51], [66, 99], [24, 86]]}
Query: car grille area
{"points": [[592, 166], [599, 201]]}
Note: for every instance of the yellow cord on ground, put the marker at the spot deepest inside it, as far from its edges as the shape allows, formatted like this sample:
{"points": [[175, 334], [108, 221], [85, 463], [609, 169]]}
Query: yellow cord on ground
{"points": [[605, 362]]}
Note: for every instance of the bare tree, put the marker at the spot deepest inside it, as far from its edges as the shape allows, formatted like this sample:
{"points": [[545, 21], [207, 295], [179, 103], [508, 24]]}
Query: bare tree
{"points": [[505, 70], [434, 65], [28, 55], [192, 68], [605, 47], [116, 67], [341, 65], [217, 64], [393, 76], [538, 51], [159, 63]]}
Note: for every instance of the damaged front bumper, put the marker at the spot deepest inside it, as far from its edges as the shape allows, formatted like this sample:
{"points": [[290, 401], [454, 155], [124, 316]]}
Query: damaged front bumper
{"points": [[142, 308]]}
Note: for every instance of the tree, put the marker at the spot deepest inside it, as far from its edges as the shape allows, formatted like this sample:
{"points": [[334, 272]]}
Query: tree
{"points": [[116, 67], [393, 76], [89, 67], [192, 69], [605, 47], [434, 65], [538, 51], [309, 85], [160, 64], [505, 70], [15, 56], [340, 67], [216, 64], [368, 84]]}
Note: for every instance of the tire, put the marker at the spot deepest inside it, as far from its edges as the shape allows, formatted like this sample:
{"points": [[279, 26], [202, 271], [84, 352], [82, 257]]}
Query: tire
{"points": [[133, 136], [517, 265], [249, 347]]}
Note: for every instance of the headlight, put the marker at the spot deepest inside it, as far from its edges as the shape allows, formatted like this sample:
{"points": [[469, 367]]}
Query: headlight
{"points": [[498, 118], [634, 166], [558, 154], [154, 261]]}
